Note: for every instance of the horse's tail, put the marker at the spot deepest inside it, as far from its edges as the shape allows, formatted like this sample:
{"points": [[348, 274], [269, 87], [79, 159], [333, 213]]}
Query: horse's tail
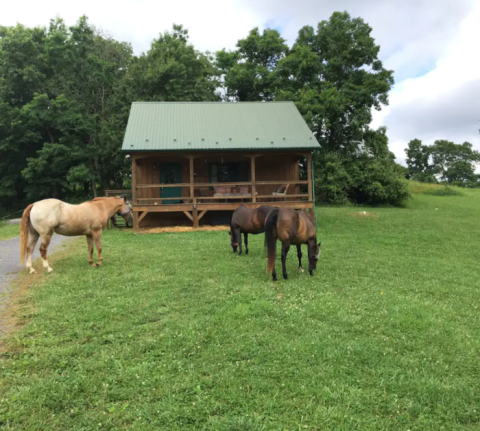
{"points": [[24, 228], [271, 238]]}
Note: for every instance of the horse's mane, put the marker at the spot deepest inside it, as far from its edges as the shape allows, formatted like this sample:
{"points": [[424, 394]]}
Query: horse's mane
{"points": [[103, 198]]}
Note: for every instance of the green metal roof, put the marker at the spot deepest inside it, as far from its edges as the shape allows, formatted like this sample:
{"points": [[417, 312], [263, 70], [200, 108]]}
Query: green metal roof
{"points": [[174, 126]]}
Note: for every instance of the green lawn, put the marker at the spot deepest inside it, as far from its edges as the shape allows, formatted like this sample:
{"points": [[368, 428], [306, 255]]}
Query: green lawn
{"points": [[8, 231], [175, 333]]}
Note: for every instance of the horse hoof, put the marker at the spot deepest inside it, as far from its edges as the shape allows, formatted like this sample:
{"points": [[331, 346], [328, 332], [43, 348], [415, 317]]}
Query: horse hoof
{"points": [[99, 264], [49, 270], [92, 264], [285, 276], [32, 271], [301, 269], [311, 273]]}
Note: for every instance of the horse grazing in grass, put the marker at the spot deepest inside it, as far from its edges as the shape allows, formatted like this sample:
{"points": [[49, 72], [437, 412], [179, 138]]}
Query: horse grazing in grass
{"points": [[42, 218], [290, 227], [247, 220]]}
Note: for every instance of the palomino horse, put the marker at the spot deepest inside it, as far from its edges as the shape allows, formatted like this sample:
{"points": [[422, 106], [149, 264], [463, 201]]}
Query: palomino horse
{"points": [[43, 218], [290, 227], [247, 220]]}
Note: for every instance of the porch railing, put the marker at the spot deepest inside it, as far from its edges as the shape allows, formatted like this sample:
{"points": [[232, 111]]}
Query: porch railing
{"points": [[231, 196]]}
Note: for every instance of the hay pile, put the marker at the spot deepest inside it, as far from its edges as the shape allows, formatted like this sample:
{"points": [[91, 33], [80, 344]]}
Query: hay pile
{"points": [[174, 229]]}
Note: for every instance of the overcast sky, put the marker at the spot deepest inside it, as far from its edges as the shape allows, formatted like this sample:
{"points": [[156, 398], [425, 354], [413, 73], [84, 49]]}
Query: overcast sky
{"points": [[432, 46]]}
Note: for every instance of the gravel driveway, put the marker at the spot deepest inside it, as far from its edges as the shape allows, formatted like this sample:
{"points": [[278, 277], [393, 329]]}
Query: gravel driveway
{"points": [[10, 264]]}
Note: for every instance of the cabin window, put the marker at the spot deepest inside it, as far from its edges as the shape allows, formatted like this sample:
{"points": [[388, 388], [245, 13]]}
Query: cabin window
{"points": [[229, 172]]}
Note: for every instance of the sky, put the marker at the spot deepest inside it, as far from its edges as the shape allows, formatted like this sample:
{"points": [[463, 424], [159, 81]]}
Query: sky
{"points": [[431, 45]]}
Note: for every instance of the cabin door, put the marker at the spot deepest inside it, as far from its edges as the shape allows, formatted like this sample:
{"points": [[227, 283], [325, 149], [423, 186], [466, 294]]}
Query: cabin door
{"points": [[171, 173]]}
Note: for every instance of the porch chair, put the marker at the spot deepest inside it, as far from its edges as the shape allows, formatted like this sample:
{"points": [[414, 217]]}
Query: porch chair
{"points": [[282, 191]]}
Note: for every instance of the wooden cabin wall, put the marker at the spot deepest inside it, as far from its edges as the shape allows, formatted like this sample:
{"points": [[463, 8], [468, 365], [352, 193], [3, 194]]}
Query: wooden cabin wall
{"points": [[276, 167], [149, 172], [202, 164]]}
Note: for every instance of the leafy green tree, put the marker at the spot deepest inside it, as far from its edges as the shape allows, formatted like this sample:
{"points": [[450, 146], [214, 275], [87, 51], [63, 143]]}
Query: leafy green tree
{"points": [[336, 78], [455, 163], [250, 71], [23, 72], [172, 70], [452, 163], [418, 162], [60, 110]]}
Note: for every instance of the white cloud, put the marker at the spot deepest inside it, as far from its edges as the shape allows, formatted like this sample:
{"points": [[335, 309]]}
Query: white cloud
{"points": [[444, 103]]}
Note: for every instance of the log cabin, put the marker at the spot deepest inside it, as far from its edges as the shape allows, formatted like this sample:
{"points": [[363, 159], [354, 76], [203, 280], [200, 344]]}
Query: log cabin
{"points": [[193, 163]]}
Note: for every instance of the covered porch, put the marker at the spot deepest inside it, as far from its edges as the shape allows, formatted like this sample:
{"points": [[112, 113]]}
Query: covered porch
{"points": [[194, 188]]}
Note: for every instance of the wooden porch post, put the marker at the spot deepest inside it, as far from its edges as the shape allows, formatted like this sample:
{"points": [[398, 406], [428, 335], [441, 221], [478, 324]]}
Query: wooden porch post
{"points": [[310, 188], [192, 189], [134, 180], [192, 193], [134, 193], [252, 179], [309, 171]]}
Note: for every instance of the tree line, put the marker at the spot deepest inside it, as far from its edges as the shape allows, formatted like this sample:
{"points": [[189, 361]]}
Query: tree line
{"points": [[65, 96], [444, 161]]}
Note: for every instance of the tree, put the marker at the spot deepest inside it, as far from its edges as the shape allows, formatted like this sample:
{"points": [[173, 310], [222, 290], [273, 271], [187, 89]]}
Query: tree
{"points": [[250, 71], [23, 72], [172, 70], [455, 163], [418, 162], [62, 125], [336, 78], [452, 163]]}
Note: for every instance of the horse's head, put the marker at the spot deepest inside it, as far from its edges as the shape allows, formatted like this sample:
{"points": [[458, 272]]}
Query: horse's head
{"points": [[125, 210], [233, 243], [314, 252]]}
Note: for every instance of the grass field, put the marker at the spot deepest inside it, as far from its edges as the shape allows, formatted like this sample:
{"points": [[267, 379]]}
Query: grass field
{"points": [[8, 231], [175, 333]]}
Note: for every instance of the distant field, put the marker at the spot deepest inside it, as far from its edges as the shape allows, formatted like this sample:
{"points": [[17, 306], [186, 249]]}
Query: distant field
{"points": [[435, 189], [176, 333]]}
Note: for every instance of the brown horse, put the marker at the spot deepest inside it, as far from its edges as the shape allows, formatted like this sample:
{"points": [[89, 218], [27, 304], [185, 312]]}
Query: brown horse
{"points": [[290, 227], [42, 218], [247, 220]]}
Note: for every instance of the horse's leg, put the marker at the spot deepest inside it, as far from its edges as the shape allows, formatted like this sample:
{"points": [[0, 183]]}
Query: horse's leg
{"points": [[238, 236], [43, 250], [285, 248], [90, 250], [98, 243], [32, 242], [245, 235], [274, 274], [299, 255]]}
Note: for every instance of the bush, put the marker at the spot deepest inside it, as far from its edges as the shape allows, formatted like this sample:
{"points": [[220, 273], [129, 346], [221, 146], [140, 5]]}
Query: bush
{"points": [[361, 180], [332, 180]]}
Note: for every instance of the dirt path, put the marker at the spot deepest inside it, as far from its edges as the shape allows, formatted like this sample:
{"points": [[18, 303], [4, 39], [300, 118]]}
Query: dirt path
{"points": [[10, 264]]}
